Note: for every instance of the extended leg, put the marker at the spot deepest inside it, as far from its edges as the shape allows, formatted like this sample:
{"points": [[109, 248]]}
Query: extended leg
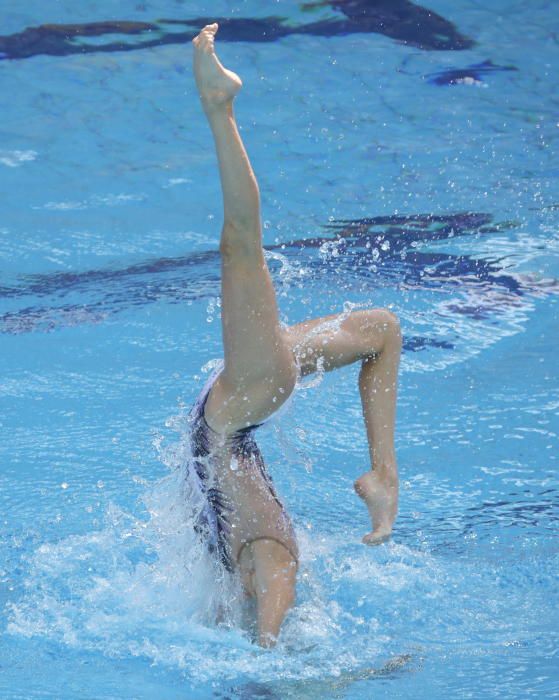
{"points": [[374, 337], [259, 368]]}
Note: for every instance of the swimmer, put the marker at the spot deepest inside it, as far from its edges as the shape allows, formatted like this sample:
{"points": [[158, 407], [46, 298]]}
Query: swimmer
{"points": [[246, 523]]}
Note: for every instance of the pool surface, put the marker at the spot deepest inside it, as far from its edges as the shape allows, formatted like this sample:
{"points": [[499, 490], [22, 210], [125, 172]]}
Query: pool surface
{"points": [[407, 158]]}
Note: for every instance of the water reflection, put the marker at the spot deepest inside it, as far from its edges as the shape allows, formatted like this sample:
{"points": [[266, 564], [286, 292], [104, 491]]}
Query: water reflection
{"points": [[369, 254], [400, 20]]}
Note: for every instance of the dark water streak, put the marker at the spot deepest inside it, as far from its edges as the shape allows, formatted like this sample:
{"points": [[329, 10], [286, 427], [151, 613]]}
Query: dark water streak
{"points": [[457, 76], [368, 253], [400, 20]]}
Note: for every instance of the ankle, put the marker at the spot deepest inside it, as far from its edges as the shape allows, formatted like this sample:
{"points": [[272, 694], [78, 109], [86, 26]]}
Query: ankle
{"points": [[217, 108], [387, 472]]}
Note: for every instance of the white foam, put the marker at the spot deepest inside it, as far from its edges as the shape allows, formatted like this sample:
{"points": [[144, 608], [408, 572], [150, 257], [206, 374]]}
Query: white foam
{"points": [[14, 159]]}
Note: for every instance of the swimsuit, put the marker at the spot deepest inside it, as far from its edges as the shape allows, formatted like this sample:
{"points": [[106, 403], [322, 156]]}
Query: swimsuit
{"points": [[239, 501]]}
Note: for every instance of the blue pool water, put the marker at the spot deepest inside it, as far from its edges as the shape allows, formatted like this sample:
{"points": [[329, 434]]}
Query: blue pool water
{"points": [[407, 160]]}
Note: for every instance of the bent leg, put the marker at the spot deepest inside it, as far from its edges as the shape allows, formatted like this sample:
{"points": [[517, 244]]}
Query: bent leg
{"points": [[374, 337], [259, 370]]}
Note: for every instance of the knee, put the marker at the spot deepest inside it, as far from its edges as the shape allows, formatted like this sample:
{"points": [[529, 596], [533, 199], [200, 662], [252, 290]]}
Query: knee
{"points": [[392, 332], [391, 325], [238, 243], [382, 327]]}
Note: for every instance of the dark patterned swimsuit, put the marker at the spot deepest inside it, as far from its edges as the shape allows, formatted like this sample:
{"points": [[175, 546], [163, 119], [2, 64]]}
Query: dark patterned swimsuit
{"points": [[240, 504]]}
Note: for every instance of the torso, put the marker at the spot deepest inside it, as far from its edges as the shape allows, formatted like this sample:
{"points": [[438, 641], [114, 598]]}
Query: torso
{"points": [[243, 503]]}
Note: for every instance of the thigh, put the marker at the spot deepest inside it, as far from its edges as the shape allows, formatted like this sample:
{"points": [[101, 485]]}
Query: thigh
{"points": [[232, 407], [260, 370], [254, 344], [337, 340]]}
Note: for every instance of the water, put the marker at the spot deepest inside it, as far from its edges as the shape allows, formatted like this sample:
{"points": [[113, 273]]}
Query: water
{"points": [[392, 174]]}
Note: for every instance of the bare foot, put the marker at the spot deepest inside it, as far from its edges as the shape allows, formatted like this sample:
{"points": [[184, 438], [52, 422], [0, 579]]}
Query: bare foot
{"points": [[381, 498], [216, 84]]}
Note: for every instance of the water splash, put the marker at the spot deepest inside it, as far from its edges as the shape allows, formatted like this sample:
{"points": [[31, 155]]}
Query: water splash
{"points": [[290, 273]]}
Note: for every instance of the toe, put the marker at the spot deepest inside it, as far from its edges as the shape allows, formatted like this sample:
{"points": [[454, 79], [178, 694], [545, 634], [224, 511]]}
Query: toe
{"points": [[210, 29]]}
